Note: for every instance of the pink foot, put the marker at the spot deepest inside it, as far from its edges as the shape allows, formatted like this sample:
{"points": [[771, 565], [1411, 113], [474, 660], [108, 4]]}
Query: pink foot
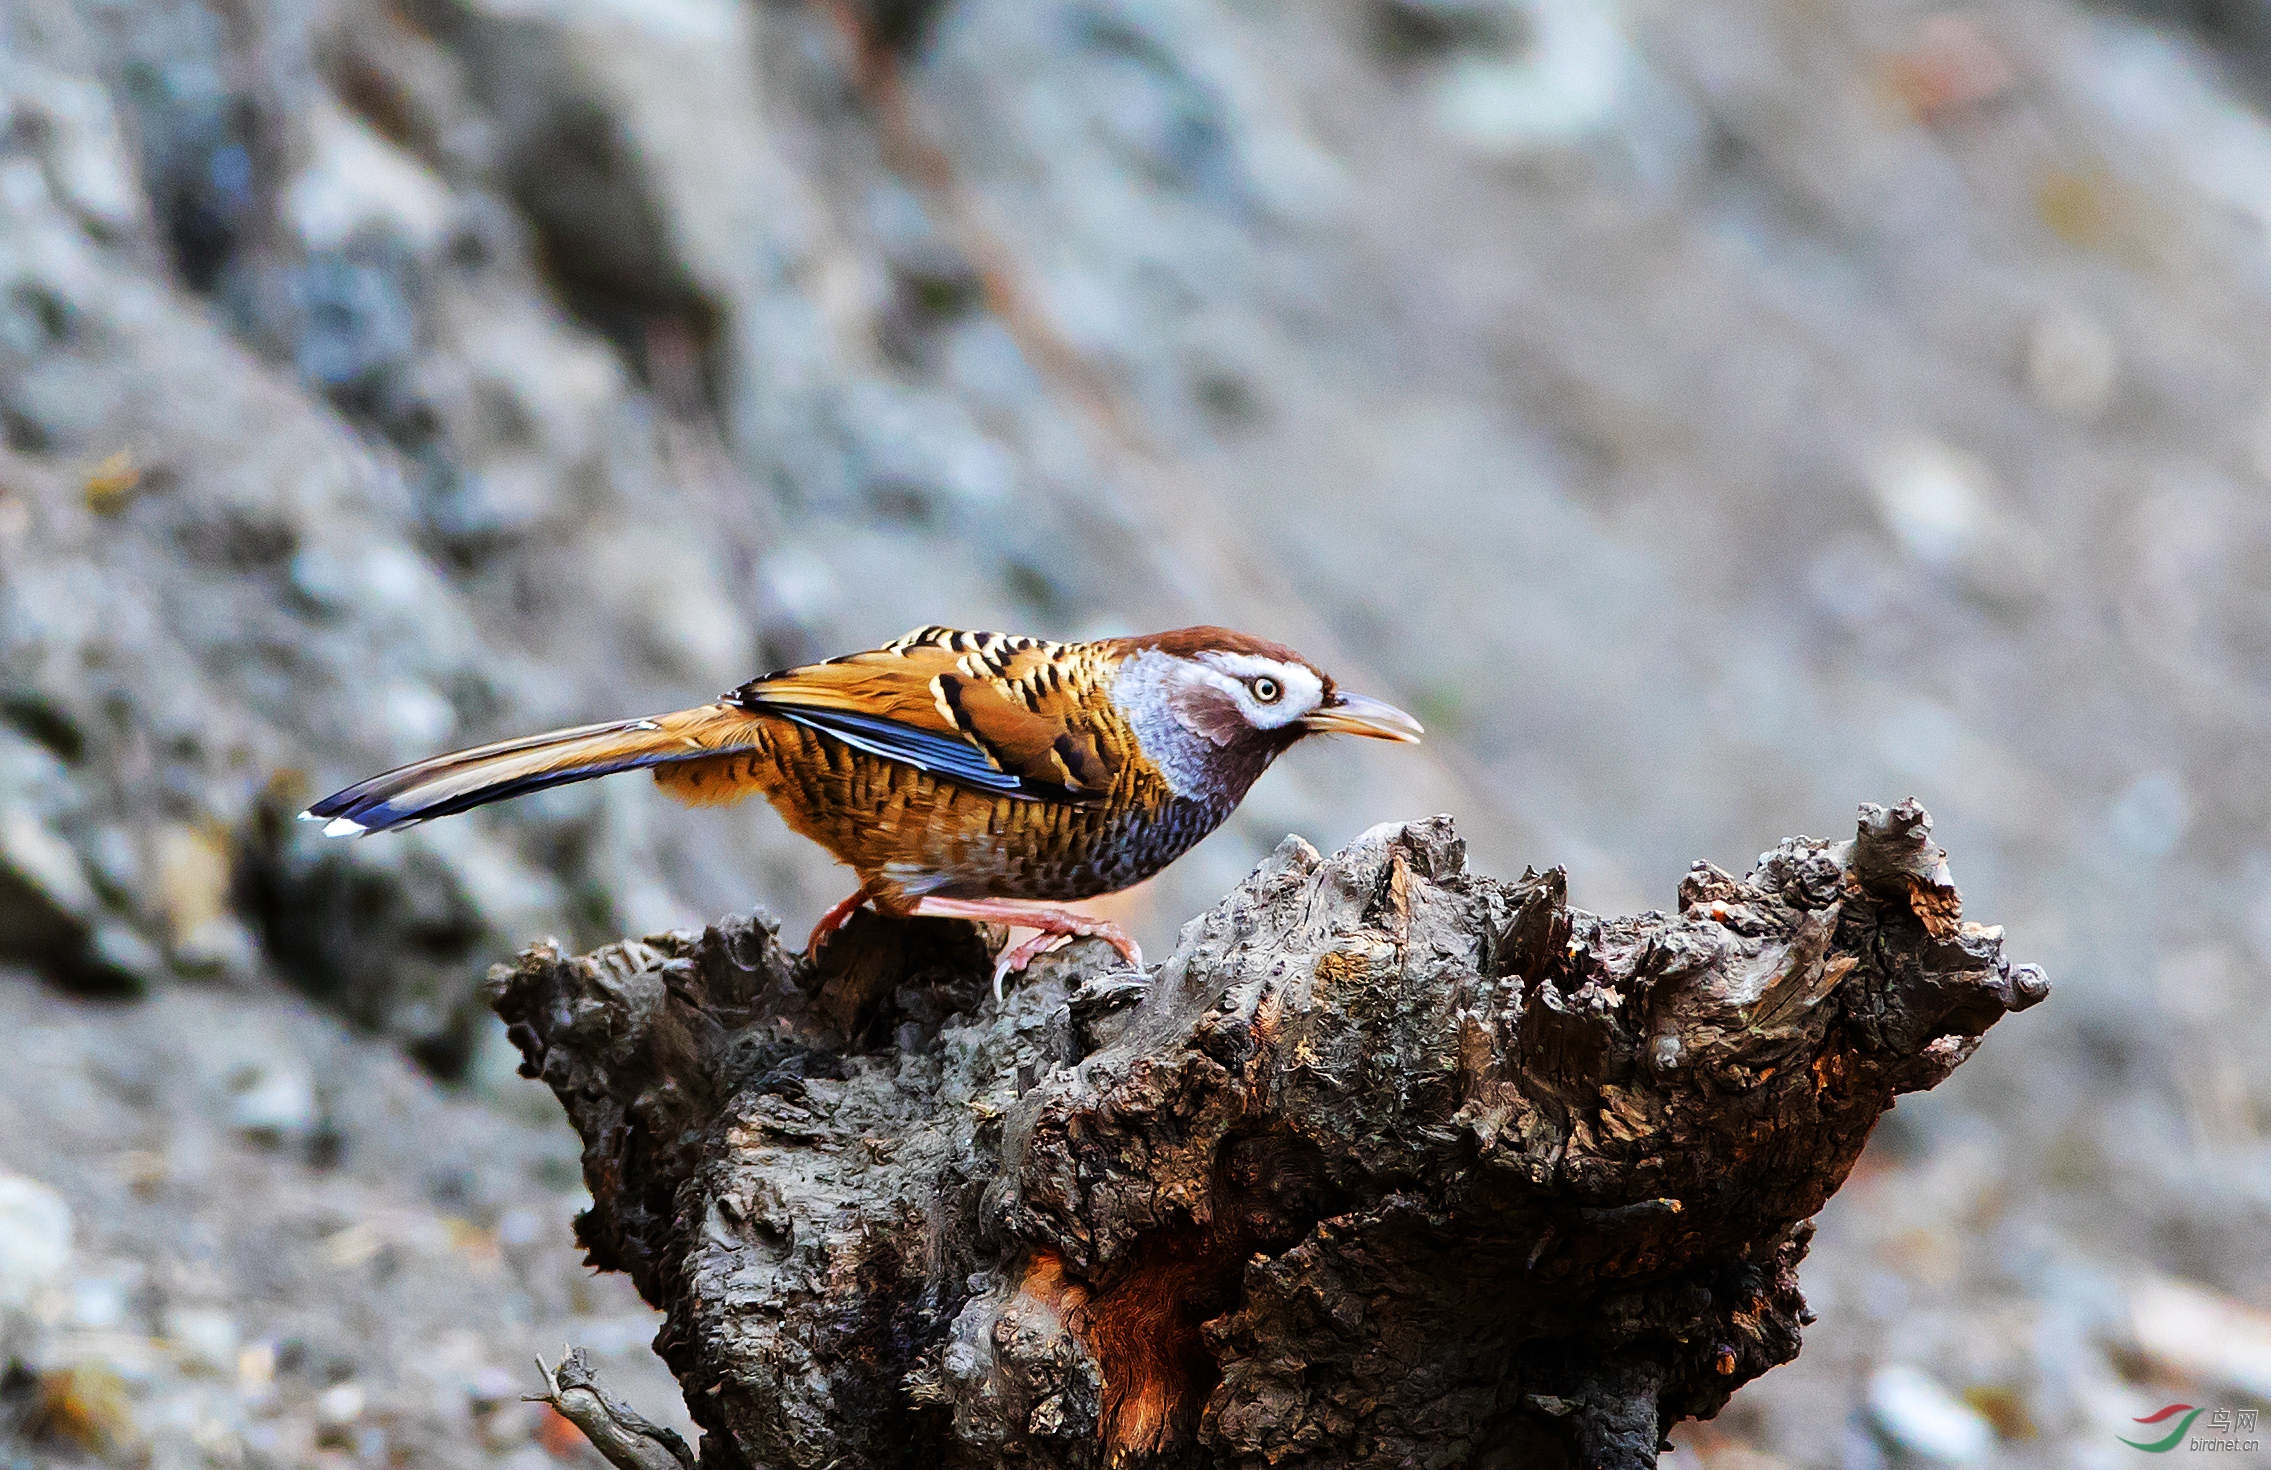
{"points": [[836, 918], [1056, 925]]}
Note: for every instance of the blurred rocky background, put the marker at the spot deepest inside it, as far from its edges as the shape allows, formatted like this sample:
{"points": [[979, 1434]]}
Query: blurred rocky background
{"points": [[1706, 415]]}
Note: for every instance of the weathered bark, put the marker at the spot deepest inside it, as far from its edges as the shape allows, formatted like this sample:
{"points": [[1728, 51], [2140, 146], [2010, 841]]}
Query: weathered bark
{"points": [[1390, 1163]]}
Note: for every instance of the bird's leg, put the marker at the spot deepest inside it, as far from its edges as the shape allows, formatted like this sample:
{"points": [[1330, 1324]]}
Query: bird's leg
{"points": [[1055, 924], [836, 918]]}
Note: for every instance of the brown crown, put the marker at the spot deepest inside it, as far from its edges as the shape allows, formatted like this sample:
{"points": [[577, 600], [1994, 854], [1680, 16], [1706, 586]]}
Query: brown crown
{"points": [[1206, 638]]}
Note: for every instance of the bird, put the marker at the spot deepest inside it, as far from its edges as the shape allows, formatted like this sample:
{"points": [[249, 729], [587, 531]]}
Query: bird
{"points": [[961, 775]]}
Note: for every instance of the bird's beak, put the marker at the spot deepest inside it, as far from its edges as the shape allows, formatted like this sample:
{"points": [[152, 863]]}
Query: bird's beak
{"points": [[1357, 714]]}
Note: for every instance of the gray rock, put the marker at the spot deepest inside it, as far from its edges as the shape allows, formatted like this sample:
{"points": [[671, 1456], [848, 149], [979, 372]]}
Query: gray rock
{"points": [[35, 1242], [275, 1103], [1923, 1423], [206, 1337], [51, 914]]}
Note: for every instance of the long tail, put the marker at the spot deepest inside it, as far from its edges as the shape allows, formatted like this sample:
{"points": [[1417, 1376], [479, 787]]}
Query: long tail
{"points": [[465, 779]]}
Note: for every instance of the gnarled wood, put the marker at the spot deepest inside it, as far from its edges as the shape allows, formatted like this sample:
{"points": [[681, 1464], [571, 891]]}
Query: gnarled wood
{"points": [[1390, 1164]]}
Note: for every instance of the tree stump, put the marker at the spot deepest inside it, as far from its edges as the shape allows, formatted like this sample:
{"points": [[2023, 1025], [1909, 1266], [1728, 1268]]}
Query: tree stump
{"points": [[1391, 1164]]}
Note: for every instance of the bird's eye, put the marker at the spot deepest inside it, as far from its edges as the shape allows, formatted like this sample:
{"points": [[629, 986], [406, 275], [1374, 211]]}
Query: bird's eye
{"points": [[1266, 690]]}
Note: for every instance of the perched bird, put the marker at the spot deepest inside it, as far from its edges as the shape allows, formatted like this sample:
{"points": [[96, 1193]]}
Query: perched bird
{"points": [[962, 775]]}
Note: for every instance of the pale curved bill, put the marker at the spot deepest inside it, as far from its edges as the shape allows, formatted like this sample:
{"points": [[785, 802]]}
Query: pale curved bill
{"points": [[1360, 714]]}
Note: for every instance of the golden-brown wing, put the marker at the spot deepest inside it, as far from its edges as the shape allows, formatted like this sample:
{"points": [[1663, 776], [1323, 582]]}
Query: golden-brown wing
{"points": [[984, 709]]}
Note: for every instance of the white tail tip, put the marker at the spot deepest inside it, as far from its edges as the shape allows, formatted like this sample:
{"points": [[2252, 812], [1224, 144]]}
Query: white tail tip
{"points": [[343, 827]]}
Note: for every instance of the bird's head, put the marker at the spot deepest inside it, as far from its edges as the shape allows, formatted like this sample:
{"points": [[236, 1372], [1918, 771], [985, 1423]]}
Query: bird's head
{"points": [[1246, 698]]}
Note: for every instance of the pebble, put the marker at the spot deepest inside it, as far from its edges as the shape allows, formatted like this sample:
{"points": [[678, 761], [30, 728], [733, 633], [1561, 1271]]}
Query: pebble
{"points": [[114, 859], [321, 582], [90, 1404], [341, 1404], [1921, 1420], [35, 1241], [118, 955], [46, 863], [1440, 24], [192, 873], [99, 1303], [414, 715], [2197, 1335], [519, 1228], [355, 324], [220, 948], [204, 1337], [275, 1103], [1934, 499], [1561, 89], [357, 184], [85, 155]]}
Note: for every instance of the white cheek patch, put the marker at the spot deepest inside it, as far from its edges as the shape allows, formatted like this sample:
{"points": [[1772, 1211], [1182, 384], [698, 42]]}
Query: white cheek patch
{"points": [[1299, 688]]}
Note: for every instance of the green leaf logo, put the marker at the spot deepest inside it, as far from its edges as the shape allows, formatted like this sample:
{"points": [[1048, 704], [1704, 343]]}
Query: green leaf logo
{"points": [[2175, 1436]]}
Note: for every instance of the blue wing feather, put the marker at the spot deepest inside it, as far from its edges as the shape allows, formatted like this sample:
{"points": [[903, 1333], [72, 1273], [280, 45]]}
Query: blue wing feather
{"points": [[941, 755]]}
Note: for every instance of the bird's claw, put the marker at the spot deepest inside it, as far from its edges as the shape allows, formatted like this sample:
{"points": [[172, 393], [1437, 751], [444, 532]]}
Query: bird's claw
{"points": [[1056, 926], [1014, 959], [831, 921]]}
